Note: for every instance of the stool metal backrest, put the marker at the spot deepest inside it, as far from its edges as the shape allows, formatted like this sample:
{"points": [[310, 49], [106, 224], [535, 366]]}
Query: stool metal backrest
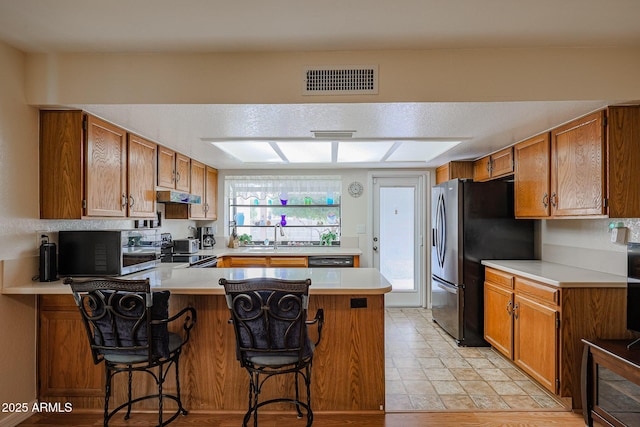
{"points": [[269, 317], [127, 329]]}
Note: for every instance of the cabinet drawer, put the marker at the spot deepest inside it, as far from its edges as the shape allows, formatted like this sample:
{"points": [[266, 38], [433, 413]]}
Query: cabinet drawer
{"points": [[283, 261], [57, 302], [498, 277], [247, 261], [537, 290]]}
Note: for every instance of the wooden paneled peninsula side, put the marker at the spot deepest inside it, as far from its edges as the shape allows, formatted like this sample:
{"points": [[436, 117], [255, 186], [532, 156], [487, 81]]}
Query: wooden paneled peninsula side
{"points": [[348, 370]]}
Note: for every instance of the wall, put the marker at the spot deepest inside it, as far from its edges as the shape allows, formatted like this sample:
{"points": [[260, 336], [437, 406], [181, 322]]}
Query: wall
{"points": [[424, 76], [18, 191], [587, 243]]}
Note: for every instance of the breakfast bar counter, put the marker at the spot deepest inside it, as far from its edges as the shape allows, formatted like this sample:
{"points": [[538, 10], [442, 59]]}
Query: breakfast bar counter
{"points": [[348, 369]]}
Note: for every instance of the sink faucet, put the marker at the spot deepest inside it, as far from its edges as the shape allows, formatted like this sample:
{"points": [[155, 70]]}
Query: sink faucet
{"points": [[275, 234]]}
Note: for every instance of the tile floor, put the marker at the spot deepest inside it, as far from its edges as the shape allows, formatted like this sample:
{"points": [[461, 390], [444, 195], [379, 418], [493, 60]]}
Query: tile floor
{"points": [[426, 370]]}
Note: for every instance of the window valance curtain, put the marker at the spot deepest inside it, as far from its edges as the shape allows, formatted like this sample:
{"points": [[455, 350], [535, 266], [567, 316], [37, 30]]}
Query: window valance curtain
{"points": [[272, 186]]}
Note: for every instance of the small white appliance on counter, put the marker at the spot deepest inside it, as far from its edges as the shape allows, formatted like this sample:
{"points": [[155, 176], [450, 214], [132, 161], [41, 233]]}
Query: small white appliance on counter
{"points": [[186, 246]]}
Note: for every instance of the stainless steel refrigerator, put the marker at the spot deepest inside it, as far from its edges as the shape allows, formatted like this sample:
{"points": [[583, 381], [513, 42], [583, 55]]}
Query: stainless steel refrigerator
{"points": [[472, 221]]}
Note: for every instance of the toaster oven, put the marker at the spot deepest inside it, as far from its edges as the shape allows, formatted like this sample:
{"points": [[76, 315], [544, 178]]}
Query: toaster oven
{"points": [[185, 246]]}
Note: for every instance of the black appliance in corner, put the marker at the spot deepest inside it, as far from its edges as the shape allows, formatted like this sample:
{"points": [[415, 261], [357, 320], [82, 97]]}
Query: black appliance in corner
{"points": [[472, 221]]}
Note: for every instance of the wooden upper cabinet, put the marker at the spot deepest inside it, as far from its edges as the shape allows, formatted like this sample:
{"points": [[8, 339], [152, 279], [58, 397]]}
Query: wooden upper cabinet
{"points": [[532, 177], [141, 177], [502, 163], [183, 173], [482, 169], [174, 170], [105, 169], [83, 166], [61, 164], [578, 167], [211, 193], [166, 167], [496, 165], [197, 187], [623, 161], [454, 170], [204, 183]]}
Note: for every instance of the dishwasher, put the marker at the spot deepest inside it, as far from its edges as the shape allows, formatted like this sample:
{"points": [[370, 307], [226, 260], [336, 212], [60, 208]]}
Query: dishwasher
{"points": [[334, 261]]}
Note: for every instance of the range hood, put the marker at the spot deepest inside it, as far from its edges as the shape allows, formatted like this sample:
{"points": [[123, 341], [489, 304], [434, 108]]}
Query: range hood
{"points": [[172, 196]]}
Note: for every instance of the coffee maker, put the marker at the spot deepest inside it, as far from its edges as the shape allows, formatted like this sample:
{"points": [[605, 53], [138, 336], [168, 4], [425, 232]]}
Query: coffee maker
{"points": [[207, 240]]}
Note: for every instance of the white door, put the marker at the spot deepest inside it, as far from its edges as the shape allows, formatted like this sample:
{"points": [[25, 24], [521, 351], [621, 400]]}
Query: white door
{"points": [[398, 236]]}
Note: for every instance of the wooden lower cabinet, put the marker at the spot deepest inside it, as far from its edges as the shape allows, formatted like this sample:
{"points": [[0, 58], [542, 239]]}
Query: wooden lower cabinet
{"points": [[269, 261], [535, 340], [522, 327], [348, 368], [498, 328], [540, 327], [66, 372]]}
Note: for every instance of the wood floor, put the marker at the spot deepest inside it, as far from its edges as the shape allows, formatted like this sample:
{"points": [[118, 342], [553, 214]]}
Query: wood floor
{"points": [[412, 419]]}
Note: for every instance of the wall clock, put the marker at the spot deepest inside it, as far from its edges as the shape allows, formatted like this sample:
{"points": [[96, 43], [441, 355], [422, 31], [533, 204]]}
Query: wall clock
{"points": [[355, 189]]}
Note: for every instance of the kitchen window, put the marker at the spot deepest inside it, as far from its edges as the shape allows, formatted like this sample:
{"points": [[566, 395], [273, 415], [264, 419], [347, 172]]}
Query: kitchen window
{"points": [[306, 209]]}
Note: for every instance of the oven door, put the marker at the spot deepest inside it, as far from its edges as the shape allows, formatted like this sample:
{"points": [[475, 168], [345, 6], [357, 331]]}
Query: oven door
{"points": [[446, 306]]}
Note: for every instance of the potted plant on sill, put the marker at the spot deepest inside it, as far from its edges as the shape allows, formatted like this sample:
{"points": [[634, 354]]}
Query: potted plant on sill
{"points": [[327, 238], [245, 239]]}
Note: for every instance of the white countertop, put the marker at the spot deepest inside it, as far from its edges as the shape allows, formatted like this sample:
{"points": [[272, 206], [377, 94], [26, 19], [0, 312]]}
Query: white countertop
{"points": [[282, 251], [563, 276], [204, 281]]}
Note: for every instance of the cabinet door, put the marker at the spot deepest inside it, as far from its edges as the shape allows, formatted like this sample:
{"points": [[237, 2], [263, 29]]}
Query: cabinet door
{"points": [[211, 193], [65, 365], [498, 328], [166, 167], [578, 167], [61, 164], [105, 169], [535, 347], [482, 169], [288, 262], [453, 170], [197, 187], [502, 163], [532, 177], [247, 261], [141, 177], [183, 173]]}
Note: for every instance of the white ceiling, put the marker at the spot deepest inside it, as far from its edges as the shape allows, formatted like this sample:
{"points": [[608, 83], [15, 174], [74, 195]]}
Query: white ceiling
{"points": [[296, 25]]}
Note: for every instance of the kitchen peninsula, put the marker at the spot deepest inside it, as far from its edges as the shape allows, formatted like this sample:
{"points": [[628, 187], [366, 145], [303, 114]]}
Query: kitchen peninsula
{"points": [[348, 370]]}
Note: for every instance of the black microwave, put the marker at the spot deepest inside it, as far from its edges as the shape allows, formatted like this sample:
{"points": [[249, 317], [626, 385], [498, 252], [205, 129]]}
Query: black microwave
{"points": [[107, 252]]}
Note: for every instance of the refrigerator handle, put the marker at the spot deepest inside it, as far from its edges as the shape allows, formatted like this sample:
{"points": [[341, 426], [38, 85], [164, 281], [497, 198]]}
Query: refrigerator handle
{"points": [[433, 237]]}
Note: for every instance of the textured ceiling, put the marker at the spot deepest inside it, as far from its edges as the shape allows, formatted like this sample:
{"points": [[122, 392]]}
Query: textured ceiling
{"points": [[54, 26]]}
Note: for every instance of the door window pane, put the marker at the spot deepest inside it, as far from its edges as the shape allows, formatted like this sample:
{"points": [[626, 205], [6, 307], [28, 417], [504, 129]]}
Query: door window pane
{"points": [[397, 236]]}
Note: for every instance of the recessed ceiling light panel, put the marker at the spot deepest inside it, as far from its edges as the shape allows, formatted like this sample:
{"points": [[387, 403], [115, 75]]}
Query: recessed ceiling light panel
{"points": [[250, 151], [350, 152], [420, 151], [306, 151]]}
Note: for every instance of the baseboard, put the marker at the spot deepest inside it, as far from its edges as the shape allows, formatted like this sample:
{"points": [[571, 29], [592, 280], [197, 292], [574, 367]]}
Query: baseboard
{"points": [[15, 418]]}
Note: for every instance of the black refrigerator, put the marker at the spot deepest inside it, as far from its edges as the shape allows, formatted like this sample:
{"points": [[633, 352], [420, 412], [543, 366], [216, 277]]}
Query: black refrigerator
{"points": [[472, 221]]}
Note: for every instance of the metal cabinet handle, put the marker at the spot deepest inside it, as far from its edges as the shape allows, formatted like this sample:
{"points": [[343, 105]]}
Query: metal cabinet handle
{"points": [[206, 208], [509, 309], [124, 200], [173, 176], [177, 176], [515, 311], [554, 199], [132, 201], [545, 200]]}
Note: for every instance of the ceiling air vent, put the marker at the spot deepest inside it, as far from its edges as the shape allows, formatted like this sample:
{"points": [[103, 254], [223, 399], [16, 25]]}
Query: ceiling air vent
{"points": [[341, 80]]}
